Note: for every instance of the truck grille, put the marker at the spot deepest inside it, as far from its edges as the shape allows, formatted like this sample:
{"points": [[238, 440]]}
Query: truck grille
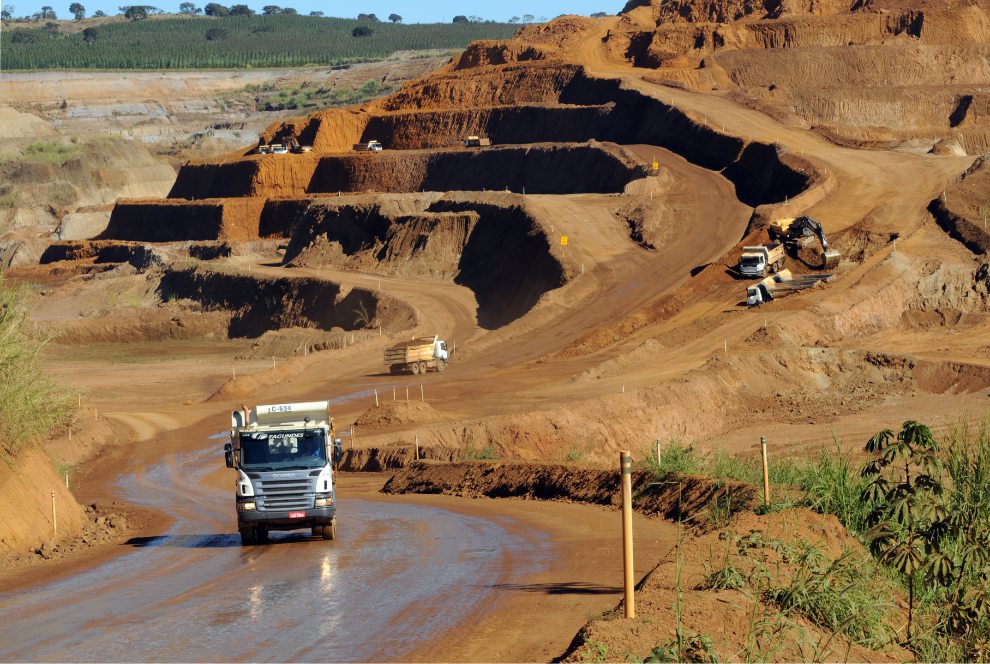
{"points": [[284, 495]]}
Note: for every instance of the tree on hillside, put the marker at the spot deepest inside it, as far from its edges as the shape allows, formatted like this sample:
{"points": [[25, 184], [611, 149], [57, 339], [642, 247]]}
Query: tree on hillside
{"points": [[528, 18], [215, 9], [514, 19], [51, 27], [270, 10], [77, 10], [241, 10], [317, 14], [460, 19], [99, 13], [361, 31], [7, 12], [289, 11], [89, 35], [367, 17], [139, 12], [189, 9], [395, 18], [599, 15], [47, 14]]}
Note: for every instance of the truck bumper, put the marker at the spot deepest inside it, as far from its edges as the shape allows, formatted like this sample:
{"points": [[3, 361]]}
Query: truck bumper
{"points": [[319, 516]]}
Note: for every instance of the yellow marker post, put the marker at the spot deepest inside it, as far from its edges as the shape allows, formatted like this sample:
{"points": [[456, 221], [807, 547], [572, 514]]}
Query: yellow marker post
{"points": [[656, 165], [563, 240], [625, 461]]}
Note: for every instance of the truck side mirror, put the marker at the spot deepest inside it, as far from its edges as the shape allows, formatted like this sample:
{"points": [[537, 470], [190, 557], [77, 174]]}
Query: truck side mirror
{"points": [[338, 451], [228, 456]]}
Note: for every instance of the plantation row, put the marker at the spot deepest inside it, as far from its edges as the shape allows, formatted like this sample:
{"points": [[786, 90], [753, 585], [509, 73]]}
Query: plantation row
{"points": [[232, 42]]}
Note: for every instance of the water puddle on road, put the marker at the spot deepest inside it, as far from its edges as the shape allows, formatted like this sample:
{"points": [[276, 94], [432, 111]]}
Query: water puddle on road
{"points": [[397, 575]]}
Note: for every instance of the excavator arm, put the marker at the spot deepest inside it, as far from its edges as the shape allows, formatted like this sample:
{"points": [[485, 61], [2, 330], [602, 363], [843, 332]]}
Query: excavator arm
{"points": [[807, 226]]}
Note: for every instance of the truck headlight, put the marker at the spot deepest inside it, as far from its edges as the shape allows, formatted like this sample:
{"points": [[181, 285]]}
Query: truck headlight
{"points": [[324, 502], [246, 507]]}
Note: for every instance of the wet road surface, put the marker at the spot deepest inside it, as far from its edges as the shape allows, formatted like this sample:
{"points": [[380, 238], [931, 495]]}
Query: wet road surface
{"points": [[397, 575]]}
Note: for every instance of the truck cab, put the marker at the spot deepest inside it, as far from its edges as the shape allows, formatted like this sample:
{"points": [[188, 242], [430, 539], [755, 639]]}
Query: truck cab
{"points": [[761, 260], [285, 456]]}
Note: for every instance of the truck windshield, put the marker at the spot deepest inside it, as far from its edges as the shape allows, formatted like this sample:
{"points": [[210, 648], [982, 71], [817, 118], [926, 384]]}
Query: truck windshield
{"points": [[283, 450], [751, 260]]}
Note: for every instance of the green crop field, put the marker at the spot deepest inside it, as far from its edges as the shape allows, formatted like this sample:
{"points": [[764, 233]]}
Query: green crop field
{"points": [[230, 42]]}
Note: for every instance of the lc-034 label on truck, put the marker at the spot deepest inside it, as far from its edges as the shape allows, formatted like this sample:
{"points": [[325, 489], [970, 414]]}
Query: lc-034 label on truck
{"points": [[281, 409]]}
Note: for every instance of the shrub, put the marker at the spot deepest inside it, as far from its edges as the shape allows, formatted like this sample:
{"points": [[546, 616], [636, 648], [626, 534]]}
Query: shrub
{"points": [[30, 404]]}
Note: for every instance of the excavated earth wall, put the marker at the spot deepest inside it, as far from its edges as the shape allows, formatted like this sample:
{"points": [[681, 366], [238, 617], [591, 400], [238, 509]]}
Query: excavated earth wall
{"points": [[498, 251], [262, 304], [964, 209]]}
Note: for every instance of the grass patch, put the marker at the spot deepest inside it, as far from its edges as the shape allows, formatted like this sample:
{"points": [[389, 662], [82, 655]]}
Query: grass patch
{"points": [[44, 152], [30, 404]]}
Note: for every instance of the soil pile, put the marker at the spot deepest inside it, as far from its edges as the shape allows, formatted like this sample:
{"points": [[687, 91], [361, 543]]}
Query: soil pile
{"points": [[684, 498], [396, 413]]}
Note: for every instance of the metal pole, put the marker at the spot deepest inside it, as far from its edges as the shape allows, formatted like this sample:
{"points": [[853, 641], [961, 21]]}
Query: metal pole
{"points": [[625, 460], [376, 398], [422, 394], [658, 451], [766, 471], [353, 435], [54, 517], [393, 393], [407, 395]]}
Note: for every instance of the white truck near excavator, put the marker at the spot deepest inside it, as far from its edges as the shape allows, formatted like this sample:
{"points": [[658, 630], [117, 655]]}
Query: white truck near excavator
{"points": [[761, 260], [794, 234], [285, 456]]}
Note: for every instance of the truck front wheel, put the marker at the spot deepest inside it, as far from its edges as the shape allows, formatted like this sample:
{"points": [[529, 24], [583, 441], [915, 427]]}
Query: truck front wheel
{"points": [[248, 536], [329, 532], [441, 365]]}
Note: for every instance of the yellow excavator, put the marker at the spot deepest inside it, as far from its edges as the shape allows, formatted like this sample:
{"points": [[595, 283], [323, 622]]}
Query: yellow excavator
{"points": [[796, 233]]}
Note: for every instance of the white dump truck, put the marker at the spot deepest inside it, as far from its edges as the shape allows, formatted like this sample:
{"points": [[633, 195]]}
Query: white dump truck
{"points": [[370, 146], [761, 260], [285, 456], [418, 355]]}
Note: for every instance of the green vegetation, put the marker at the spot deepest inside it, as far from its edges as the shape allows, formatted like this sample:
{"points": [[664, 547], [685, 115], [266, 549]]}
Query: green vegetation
{"points": [[44, 152], [232, 41], [305, 97], [30, 405], [922, 507]]}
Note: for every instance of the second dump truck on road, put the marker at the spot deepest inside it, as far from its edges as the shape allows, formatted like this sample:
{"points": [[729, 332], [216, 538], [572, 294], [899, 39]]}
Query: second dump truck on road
{"points": [[418, 355]]}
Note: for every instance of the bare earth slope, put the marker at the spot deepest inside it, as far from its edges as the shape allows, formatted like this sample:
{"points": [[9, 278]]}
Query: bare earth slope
{"points": [[658, 142]]}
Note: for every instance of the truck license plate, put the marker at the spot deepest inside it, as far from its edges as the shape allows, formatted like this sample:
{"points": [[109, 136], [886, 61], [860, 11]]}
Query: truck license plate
{"points": [[297, 515]]}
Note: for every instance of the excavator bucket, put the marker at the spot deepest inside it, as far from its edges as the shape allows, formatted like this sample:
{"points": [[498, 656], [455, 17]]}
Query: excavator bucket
{"points": [[832, 259]]}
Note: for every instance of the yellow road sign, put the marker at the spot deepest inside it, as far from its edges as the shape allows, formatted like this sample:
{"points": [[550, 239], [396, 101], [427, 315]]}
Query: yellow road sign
{"points": [[563, 240], [656, 165]]}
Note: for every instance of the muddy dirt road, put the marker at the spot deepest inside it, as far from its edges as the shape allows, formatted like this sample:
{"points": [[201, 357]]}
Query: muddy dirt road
{"points": [[407, 579]]}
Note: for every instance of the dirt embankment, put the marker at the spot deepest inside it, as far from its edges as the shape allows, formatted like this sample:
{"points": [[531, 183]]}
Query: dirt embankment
{"points": [[560, 104], [262, 304], [537, 169], [171, 220], [679, 498], [498, 251], [965, 206], [907, 74]]}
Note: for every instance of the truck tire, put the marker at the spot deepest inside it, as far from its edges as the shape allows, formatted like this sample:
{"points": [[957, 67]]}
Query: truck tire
{"points": [[395, 368], [423, 368], [329, 532], [261, 535], [248, 536], [441, 365], [414, 367]]}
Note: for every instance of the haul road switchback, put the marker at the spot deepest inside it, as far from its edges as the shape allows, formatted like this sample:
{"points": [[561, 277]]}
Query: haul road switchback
{"points": [[284, 456]]}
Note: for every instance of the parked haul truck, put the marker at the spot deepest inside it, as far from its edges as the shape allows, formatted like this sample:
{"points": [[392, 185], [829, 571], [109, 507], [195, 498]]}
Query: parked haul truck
{"points": [[285, 456]]}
